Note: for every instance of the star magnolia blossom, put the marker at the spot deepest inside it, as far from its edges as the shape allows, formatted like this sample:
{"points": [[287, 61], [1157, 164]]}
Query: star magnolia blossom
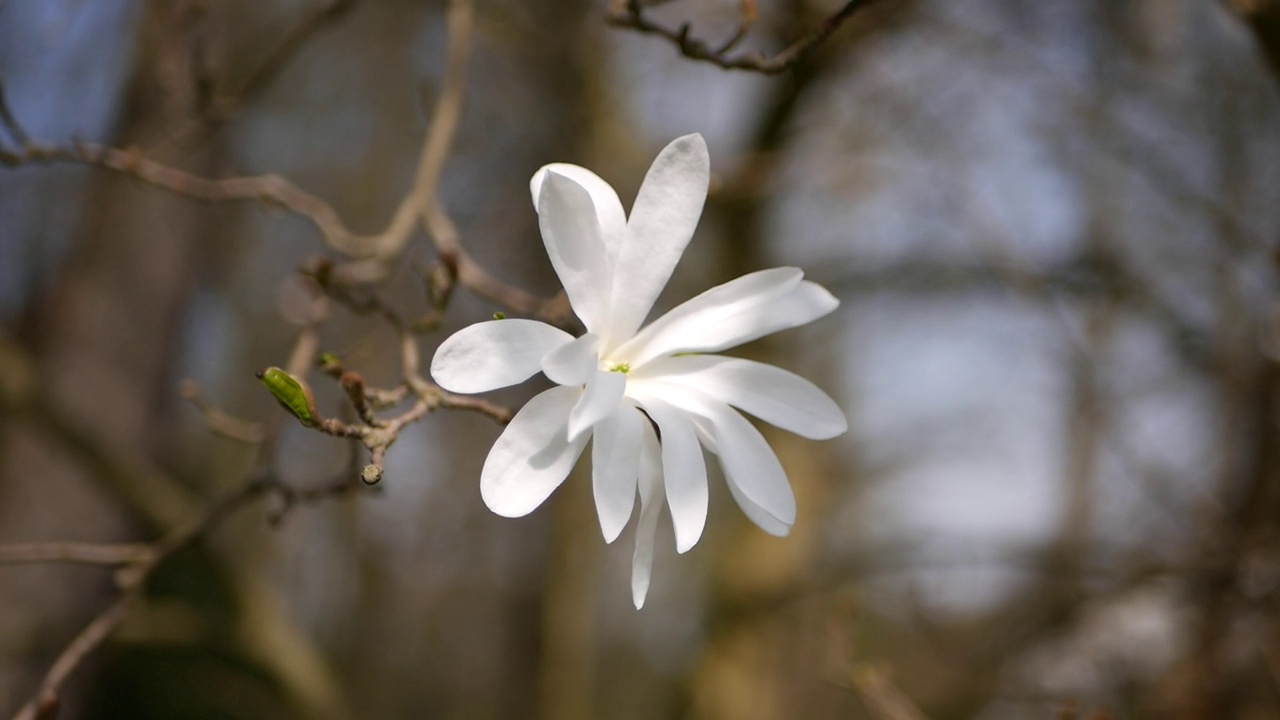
{"points": [[618, 381]]}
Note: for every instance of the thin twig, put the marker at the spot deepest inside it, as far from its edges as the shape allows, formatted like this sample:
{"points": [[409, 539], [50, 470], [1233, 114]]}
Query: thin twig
{"points": [[143, 560], [882, 697], [218, 420], [11, 123], [630, 14], [44, 704], [75, 552], [225, 106], [270, 189], [471, 275]]}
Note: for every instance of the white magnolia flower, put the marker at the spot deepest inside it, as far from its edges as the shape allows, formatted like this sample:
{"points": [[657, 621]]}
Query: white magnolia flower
{"points": [[618, 381]]}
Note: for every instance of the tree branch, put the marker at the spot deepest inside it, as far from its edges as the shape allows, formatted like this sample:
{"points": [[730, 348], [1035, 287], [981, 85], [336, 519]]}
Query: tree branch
{"points": [[630, 14], [141, 560], [74, 552], [372, 252]]}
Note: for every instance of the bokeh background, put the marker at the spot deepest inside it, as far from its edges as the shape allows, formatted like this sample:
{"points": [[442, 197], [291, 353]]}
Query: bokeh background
{"points": [[1052, 227]]}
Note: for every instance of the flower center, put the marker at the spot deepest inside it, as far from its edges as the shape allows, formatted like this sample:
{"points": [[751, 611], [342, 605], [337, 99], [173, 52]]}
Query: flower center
{"points": [[623, 368]]}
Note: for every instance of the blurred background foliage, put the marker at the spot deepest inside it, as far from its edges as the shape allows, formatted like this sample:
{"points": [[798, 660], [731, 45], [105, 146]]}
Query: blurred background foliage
{"points": [[1052, 226]]}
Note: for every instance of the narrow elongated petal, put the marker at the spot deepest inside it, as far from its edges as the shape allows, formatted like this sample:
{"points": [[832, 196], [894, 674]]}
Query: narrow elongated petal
{"points": [[683, 470], [601, 398], [713, 319], [806, 302], [757, 514], [650, 484], [662, 222], [754, 474], [491, 355], [753, 471], [615, 462], [574, 240], [574, 362], [532, 456], [772, 394], [613, 219]]}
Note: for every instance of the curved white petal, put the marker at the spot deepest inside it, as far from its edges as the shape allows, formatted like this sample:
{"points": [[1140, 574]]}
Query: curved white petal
{"points": [[601, 398], [772, 394], [757, 514], [683, 470], [532, 456], [750, 466], [573, 235], [806, 302], [615, 462], [613, 219], [662, 222], [573, 363], [753, 471], [713, 319], [494, 354], [650, 485]]}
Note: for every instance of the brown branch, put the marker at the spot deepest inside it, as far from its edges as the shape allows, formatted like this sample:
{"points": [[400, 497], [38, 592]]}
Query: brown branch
{"points": [[225, 106], [371, 252], [375, 432], [142, 560], [500, 414], [45, 702], [630, 14], [75, 552], [269, 189], [461, 266], [10, 122], [219, 421], [882, 697]]}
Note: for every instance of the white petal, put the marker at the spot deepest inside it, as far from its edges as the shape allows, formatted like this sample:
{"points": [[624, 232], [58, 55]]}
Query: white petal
{"points": [[750, 466], [712, 320], [573, 236], [615, 462], [757, 514], [613, 219], [603, 393], [532, 456], [807, 302], [574, 362], [650, 484], [494, 354], [662, 222], [683, 470], [753, 471], [772, 394]]}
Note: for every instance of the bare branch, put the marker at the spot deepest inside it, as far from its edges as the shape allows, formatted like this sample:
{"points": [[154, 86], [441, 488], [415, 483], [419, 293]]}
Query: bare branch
{"points": [[74, 552], [44, 704], [219, 421], [268, 189], [143, 560], [224, 106], [630, 14], [11, 123], [882, 697], [471, 275]]}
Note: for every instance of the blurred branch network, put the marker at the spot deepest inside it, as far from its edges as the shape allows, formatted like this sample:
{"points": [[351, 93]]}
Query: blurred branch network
{"points": [[1052, 226]]}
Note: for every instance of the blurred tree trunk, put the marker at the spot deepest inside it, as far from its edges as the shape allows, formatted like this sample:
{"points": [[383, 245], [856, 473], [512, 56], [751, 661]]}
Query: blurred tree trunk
{"points": [[1221, 683], [756, 662]]}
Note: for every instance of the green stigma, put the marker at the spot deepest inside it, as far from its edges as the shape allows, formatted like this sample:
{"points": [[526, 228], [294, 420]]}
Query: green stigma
{"points": [[623, 368]]}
